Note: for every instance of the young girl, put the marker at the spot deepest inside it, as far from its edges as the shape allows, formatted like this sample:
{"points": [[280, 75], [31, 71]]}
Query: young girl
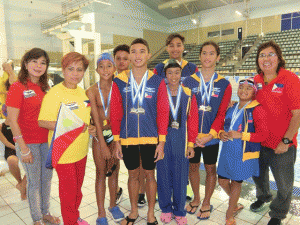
{"points": [[172, 171], [24, 101], [213, 94], [99, 95], [245, 127]]}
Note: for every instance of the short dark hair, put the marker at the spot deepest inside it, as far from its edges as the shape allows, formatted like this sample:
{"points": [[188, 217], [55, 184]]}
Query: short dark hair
{"points": [[278, 51], [140, 41], [216, 46], [124, 48], [172, 36]]}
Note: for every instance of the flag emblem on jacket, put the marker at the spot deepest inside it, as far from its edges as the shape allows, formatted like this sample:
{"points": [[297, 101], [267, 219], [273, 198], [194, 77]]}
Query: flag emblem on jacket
{"points": [[68, 127], [277, 88], [147, 95], [87, 103]]}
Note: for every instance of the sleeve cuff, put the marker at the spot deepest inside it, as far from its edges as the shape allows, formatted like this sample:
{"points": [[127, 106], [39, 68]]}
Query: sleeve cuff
{"points": [[116, 137], [213, 133], [191, 144], [162, 138], [246, 136]]}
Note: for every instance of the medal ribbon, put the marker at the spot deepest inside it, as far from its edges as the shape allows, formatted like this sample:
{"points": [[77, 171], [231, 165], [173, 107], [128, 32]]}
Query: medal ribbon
{"points": [[138, 89], [174, 110], [236, 114], [206, 90], [102, 99]]}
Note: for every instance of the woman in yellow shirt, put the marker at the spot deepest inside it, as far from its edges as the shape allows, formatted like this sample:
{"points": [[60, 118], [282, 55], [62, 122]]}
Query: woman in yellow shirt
{"points": [[71, 165]]}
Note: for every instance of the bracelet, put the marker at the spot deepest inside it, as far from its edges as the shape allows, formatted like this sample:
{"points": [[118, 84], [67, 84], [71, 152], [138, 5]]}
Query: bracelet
{"points": [[16, 138], [26, 154]]}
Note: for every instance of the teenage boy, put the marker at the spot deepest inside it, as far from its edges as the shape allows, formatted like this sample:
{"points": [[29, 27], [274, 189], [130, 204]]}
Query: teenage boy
{"points": [[139, 120], [121, 58], [106, 164], [175, 48]]}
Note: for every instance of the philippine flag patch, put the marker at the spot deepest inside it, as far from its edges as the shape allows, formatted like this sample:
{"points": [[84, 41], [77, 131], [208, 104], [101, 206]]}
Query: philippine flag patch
{"points": [[147, 95], [87, 103], [277, 88]]}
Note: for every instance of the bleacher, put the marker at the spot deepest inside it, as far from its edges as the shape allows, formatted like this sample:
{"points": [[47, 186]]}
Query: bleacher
{"points": [[289, 42]]}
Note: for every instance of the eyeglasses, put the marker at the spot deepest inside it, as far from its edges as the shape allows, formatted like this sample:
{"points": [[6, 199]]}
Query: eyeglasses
{"points": [[271, 54]]}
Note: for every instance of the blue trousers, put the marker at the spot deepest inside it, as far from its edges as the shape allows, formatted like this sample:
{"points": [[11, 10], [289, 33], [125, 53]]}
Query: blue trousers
{"points": [[172, 175]]}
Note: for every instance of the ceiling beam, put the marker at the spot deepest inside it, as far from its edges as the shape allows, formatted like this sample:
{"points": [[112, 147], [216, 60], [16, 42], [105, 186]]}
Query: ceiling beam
{"points": [[172, 4]]}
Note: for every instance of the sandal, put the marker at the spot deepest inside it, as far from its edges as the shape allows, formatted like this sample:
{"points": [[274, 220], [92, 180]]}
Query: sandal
{"points": [[204, 211], [52, 219], [166, 217], [154, 223], [192, 208], [238, 209], [129, 220]]}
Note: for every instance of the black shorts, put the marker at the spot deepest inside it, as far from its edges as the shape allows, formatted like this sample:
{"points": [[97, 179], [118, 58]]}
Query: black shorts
{"points": [[221, 177], [8, 152], [133, 153], [210, 154]]}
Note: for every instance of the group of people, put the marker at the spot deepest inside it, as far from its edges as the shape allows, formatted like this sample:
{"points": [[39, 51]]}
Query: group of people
{"points": [[165, 119]]}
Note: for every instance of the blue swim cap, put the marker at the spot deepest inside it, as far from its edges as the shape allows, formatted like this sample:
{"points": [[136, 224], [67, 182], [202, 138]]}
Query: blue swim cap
{"points": [[105, 56]]}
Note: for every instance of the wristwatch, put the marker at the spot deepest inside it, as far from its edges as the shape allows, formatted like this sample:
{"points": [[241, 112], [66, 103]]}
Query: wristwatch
{"points": [[286, 141]]}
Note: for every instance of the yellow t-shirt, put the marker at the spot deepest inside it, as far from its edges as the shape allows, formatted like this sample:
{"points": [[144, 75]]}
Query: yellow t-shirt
{"points": [[49, 111], [3, 92]]}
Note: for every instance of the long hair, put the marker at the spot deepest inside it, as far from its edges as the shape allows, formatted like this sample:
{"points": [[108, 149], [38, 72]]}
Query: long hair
{"points": [[34, 53], [275, 46]]}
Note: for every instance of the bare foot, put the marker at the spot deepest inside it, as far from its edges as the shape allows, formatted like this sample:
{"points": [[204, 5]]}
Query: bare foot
{"points": [[22, 190], [51, 219]]}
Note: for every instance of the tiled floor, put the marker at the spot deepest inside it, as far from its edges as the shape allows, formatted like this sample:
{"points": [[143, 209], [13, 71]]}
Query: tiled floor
{"points": [[13, 211]]}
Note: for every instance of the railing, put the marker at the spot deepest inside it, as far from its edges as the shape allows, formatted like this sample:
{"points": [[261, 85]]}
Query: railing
{"points": [[59, 20], [73, 5]]}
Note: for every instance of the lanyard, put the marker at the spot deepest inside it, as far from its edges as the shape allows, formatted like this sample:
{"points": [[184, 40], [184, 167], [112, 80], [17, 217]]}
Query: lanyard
{"points": [[174, 109], [102, 100], [138, 91], [236, 114], [206, 90]]}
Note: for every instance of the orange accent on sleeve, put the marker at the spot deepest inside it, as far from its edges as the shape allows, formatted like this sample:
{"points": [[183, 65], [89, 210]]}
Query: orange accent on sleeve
{"points": [[245, 136], [116, 110], [213, 133]]}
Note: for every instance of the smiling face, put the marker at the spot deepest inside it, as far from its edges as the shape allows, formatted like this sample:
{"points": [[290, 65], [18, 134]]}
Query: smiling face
{"points": [[105, 69], [36, 67], [268, 61], [73, 73], [245, 92], [173, 76], [209, 57], [175, 48], [139, 55], [122, 61]]}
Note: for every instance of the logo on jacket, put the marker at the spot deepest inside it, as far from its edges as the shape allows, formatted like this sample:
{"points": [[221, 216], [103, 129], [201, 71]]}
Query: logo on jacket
{"points": [[240, 128], [277, 88], [216, 92], [259, 86], [148, 95], [87, 103]]}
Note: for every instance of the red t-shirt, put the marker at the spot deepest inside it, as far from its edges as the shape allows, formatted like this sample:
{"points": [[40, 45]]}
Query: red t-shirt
{"points": [[279, 98], [29, 100]]}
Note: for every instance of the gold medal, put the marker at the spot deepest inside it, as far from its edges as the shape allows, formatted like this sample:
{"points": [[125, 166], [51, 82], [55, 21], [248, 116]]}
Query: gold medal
{"points": [[175, 125], [137, 111]]}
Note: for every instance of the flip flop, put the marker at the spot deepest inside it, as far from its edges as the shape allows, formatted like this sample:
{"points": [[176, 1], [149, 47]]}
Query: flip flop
{"points": [[154, 223], [205, 218], [238, 209], [192, 207], [129, 220], [108, 174]]}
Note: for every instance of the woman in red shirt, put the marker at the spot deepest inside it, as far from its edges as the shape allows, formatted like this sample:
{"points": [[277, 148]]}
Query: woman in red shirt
{"points": [[23, 102]]}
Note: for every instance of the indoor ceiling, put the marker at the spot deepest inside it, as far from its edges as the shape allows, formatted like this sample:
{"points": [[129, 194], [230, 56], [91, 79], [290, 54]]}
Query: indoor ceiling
{"points": [[172, 9]]}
